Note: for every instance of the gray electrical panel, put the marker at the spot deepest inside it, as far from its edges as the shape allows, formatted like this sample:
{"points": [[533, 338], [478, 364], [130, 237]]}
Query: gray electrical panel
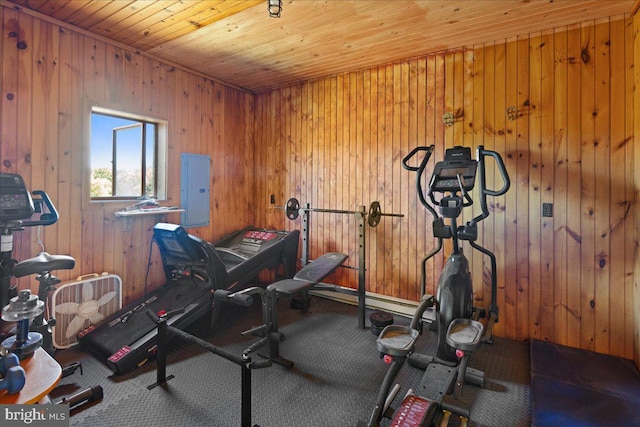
{"points": [[194, 190]]}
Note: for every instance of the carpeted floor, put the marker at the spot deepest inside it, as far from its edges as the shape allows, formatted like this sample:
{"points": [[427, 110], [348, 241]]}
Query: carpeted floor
{"points": [[334, 382]]}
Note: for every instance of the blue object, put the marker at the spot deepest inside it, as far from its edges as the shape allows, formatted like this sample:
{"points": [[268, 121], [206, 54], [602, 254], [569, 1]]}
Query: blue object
{"points": [[579, 388], [13, 375], [7, 361]]}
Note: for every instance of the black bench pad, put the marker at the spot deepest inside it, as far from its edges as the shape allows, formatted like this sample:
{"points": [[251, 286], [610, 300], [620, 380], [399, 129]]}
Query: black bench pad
{"points": [[321, 267], [311, 273], [289, 286]]}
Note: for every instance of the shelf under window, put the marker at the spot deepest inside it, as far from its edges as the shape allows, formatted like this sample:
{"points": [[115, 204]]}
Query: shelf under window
{"points": [[149, 211], [128, 215]]}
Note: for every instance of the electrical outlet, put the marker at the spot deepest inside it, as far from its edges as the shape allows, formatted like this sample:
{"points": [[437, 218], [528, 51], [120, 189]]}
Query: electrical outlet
{"points": [[547, 209]]}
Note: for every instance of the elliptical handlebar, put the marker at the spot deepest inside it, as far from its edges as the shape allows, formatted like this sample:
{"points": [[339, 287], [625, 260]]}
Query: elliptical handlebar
{"points": [[506, 183], [481, 153], [428, 151], [420, 171]]}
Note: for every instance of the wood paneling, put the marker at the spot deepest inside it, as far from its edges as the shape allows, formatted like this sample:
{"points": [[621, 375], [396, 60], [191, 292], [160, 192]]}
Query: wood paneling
{"points": [[632, 281], [236, 41], [566, 278], [338, 141], [140, 24], [47, 93]]}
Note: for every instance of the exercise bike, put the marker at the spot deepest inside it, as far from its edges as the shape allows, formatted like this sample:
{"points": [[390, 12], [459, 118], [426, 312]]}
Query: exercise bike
{"points": [[17, 206], [459, 330]]}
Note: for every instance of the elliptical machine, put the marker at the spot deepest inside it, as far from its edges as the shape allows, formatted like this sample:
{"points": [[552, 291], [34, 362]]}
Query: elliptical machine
{"points": [[458, 329]]}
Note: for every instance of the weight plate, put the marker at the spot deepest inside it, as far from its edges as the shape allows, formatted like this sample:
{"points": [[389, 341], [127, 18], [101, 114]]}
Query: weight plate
{"points": [[293, 208], [375, 213], [381, 319], [23, 306], [297, 301]]}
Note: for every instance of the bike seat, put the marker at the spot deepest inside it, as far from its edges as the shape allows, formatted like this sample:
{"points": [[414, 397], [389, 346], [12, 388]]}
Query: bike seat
{"points": [[43, 262]]}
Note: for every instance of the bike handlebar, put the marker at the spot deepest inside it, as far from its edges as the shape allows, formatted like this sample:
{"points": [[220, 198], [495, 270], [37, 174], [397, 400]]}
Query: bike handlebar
{"points": [[45, 218]]}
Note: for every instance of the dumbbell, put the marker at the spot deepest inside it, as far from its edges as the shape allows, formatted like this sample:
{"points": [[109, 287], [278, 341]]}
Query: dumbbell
{"points": [[22, 309], [13, 375], [7, 361]]}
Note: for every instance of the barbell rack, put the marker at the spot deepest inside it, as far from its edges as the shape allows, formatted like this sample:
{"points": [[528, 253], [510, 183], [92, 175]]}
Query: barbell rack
{"points": [[293, 210]]}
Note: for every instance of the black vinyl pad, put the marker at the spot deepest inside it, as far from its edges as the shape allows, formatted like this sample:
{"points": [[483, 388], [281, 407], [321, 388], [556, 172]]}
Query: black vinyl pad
{"points": [[321, 267], [289, 286]]}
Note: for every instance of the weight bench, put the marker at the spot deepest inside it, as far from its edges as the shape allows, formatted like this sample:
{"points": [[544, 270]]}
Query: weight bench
{"points": [[308, 278]]}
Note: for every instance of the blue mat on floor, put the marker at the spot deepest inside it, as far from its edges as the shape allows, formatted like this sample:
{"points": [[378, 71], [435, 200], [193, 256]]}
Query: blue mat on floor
{"points": [[572, 387]]}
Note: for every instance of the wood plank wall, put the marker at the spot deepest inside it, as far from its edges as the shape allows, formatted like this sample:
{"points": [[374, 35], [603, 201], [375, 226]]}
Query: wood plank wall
{"points": [[636, 49], [338, 142], [48, 89]]}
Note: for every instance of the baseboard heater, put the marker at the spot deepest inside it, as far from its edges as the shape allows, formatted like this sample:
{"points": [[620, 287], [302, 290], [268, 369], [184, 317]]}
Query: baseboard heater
{"points": [[397, 306]]}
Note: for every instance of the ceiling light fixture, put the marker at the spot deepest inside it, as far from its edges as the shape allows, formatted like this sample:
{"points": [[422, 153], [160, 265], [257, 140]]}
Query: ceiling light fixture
{"points": [[274, 7]]}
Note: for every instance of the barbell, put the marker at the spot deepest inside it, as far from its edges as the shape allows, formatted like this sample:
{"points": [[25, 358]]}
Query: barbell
{"points": [[292, 211]]}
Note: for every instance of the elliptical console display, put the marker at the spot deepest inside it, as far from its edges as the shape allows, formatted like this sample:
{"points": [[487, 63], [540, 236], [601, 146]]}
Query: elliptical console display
{"points": [[456, 170]]}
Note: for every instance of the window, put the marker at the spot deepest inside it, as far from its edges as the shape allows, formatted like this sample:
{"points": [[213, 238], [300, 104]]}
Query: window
{"points": [[128, 155]]}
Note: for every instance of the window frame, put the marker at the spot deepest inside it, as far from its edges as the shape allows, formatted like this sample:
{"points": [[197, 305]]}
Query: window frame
{"points": [[159, 155]]}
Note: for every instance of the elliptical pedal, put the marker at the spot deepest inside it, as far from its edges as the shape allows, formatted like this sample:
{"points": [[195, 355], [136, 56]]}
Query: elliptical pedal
{"points": [[397, 340], [464, 334]]}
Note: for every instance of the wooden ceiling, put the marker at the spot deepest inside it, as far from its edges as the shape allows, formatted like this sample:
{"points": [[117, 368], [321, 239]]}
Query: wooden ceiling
{"points": [[238, 43]]}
